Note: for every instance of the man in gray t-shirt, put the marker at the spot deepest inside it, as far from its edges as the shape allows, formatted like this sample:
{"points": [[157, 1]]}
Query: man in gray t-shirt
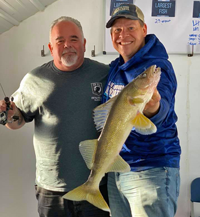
{"points": [[60, 97]]}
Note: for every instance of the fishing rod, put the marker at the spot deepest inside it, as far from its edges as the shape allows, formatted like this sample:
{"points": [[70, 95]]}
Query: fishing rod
{"points": [[4, 114]]}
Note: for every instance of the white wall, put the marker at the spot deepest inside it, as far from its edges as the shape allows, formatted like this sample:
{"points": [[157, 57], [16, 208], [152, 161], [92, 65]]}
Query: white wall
{"points": [[20, 52]]}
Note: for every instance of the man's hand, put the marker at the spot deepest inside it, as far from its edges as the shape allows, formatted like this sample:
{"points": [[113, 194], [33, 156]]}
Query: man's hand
{"points": [[13, 111], [153, 105], [12, 108]]}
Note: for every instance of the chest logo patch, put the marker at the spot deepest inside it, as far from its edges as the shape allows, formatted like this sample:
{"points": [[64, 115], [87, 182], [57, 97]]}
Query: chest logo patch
{"points": [[97, 88]]}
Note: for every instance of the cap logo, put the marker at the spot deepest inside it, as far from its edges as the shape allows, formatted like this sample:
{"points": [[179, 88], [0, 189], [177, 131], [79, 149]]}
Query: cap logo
{"points": [[122, 8], [128, 11]]}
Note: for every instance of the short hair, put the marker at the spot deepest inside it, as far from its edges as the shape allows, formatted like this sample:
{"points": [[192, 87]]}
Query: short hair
{"points": [[64, 18], [141, 23]]}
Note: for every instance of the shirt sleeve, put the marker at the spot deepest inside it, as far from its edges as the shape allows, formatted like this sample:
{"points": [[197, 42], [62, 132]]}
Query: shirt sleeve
{"points": [[25, 99]]}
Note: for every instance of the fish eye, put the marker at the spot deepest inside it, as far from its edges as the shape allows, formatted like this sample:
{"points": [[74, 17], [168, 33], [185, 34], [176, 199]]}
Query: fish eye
{"points": [[144, 75]]}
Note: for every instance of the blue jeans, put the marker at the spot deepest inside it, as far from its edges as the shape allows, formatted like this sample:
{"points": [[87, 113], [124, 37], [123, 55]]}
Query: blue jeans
{"points": [[148, 193], [51, 204]]}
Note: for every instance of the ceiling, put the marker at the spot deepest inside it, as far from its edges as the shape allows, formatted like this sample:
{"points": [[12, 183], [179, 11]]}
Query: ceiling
{"points": [[12, 12]]}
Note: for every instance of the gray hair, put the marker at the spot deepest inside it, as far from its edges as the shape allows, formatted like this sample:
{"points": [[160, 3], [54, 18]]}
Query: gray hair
{"points": [[69, 19]]}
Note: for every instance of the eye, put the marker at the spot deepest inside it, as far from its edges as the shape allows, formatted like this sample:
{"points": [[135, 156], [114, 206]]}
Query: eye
{"points": [[60, 41], [144, 75], [118, 30], [131, 28]]}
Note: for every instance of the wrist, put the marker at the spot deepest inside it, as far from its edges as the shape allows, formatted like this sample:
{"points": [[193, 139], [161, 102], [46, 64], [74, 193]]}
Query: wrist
{"points": [[152, 111]]}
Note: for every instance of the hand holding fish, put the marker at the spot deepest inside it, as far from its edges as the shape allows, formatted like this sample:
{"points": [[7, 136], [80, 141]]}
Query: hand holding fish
{"points": [[153, 105]]}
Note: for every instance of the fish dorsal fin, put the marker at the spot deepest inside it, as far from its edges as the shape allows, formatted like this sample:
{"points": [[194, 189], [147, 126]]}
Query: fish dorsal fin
{"points": [[88, 150], [119, 165], [143, 125], [101, 113]]}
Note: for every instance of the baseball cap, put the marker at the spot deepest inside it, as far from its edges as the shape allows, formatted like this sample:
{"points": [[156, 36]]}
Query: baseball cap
{"points": [[128, 11]]}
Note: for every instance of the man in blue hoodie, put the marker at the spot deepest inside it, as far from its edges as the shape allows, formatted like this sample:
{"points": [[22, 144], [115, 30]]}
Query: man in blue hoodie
{"points": [[151, 188]]}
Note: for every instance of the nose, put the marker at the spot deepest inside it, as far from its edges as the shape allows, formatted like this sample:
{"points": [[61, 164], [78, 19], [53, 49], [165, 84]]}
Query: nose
{"points": [[67, 44], [124, 33]]}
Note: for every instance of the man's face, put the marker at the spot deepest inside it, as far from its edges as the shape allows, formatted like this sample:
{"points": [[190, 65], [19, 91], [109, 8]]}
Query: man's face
{"points": [[128, 37], [67, 46]]}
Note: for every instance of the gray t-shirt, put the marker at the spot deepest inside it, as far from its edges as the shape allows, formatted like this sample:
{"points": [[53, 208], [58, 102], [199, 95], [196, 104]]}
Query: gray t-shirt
{"points": [[61, 104]]}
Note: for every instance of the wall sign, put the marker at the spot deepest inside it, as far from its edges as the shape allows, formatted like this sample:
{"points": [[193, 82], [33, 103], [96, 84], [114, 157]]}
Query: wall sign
{"points": [[163, 8], [196, 9], [116, 3]]}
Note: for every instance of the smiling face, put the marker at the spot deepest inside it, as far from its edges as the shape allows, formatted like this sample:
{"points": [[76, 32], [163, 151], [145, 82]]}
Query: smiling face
{"points": [[67, 46], [128, 37]]}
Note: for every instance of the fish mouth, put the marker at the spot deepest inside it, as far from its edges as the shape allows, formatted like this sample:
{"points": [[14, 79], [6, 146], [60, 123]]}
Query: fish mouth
{"points": [[156, 74], [157, 70]]}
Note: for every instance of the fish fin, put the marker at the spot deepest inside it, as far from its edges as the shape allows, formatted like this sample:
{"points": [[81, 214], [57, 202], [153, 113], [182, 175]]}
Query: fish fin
{"points": [[135, 100], [88, 150], [143, 125], [85, 192], [119, 165], [101, 113]]}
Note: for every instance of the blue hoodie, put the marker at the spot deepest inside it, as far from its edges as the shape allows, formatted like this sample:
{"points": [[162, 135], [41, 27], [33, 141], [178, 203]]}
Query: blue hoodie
{"points": [[162, 148]]}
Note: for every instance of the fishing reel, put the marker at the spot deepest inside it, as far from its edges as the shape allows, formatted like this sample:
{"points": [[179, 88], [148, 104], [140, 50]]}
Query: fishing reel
{"points": [[4, 114]]}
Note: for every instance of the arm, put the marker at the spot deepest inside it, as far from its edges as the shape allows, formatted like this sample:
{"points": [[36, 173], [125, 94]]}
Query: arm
{"points": [[13, 111], [167, 89], [152, 107]]}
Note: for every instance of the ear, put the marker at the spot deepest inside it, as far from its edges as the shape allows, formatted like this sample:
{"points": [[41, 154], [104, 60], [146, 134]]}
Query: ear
{"points": [[145, 29], [50, 48], [84, 43], [111, 32]]}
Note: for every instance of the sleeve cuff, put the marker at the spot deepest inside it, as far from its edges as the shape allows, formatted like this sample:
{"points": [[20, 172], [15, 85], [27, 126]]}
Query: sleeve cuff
{"points": [[161, 115]]}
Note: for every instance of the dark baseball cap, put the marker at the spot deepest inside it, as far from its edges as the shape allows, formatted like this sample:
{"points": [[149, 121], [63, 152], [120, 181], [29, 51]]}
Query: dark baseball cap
{"points": [[128, 11]]}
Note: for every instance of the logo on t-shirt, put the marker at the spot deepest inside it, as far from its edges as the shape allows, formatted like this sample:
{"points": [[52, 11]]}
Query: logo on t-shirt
{"points": [[97, 90]]}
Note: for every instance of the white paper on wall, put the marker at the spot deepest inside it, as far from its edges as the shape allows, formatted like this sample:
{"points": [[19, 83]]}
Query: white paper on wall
{"points": [[179, 33]]}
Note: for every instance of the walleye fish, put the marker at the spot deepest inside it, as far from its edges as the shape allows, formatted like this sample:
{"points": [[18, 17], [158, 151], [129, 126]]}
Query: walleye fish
{"points": [[116, 118]]}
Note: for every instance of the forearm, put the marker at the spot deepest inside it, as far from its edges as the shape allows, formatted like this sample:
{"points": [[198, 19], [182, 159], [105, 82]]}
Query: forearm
{"points": [[152, 111], [152, 107]]}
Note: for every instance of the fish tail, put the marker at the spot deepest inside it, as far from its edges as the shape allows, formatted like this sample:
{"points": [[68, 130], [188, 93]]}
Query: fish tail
{"points": [[85, 192]]}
